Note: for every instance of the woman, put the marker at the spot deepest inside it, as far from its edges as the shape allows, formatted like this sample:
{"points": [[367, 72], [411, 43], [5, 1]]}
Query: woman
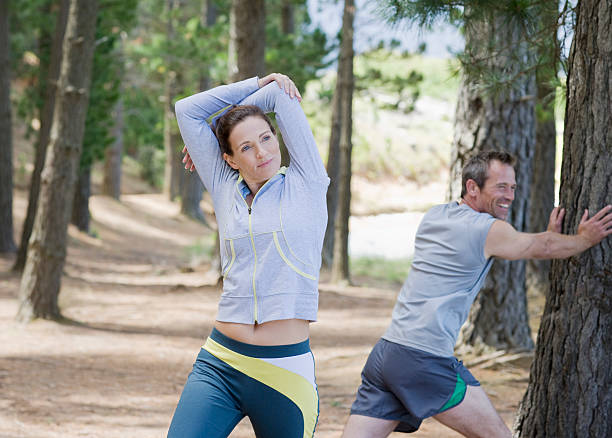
{"points": [[257, 361]]}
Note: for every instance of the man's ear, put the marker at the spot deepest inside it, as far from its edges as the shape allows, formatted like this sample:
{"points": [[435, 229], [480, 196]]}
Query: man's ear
{"points": [[472, 188], [230, 160]]}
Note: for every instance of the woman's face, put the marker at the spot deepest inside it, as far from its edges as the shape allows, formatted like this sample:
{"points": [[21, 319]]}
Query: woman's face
{"points": [[256, 152]]}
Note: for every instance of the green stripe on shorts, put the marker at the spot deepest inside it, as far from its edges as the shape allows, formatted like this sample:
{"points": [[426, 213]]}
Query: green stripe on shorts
{"points": [[457, 396]]}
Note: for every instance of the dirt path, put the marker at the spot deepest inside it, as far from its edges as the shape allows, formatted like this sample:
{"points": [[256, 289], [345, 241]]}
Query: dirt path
{"points": [[138, 309]]}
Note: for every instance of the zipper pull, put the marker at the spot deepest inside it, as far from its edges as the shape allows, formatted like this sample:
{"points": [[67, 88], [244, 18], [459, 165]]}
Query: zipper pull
{"points": [[249, 210]]}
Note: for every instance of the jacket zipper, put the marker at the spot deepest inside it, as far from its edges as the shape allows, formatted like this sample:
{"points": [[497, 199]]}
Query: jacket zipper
{"points": [[252, 244], [254, 264]]}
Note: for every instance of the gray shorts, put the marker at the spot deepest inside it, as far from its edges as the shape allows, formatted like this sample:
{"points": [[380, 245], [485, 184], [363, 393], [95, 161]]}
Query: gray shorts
{"points": [[409, 385]]}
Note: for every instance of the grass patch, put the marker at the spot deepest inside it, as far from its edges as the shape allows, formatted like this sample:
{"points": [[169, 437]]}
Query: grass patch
{"points": [[440, 78], [391, 143], [381, 268]]}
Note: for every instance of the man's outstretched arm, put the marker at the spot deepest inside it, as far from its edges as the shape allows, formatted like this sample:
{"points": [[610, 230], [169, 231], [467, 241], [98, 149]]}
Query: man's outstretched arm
{"points": [[505, 242]]}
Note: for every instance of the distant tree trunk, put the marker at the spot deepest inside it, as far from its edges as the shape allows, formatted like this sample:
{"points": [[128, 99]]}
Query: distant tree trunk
{"points": [[7, 242], [340, 264], [569, 392], [287, 17], [333, 170], [543, 178], [247, 39], [173, 167], [40, 282], [111, 184], [191, 196], [506, 121], [46, 119], [208, 18], [193, 188], [80, 202]]}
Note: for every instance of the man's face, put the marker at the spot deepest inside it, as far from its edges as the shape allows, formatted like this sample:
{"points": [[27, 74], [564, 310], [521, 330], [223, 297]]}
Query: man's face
{"points": [[497, 194]]}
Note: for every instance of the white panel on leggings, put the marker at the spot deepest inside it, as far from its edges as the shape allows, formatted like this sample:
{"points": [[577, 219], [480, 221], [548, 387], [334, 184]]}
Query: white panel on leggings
{"points": [[302, 364]]}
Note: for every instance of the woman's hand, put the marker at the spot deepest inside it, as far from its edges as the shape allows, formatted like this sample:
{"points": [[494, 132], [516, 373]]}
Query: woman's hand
{"points": [[284, 82], [187, 160]]}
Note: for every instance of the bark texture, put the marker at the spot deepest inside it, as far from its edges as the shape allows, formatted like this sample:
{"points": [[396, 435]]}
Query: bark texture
{"points": [[569, 392], [40, 282], [345, 83], [542, 198], [46, 118], [247, 39], [502, 120], [7, 242]]}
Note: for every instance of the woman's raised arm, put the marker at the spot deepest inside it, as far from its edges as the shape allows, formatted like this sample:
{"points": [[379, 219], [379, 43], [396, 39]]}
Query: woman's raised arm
{"points": [[192, 114], [279, 95]]}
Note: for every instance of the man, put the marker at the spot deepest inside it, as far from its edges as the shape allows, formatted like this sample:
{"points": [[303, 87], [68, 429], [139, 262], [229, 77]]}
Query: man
{"points": [[411, 373]]}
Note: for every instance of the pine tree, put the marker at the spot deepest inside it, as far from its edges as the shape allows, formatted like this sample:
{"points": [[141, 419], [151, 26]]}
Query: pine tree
{"points": [[40, 283]]}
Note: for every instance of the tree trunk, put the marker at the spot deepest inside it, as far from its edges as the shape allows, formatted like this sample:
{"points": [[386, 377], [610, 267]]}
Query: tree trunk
{"points": [[340, 265], [80, 202], [46, 119], [7, 242], [193, 188], [40, 283], [543, 177], [111, 184], [247, 39], [173, 167], [505, 120], [208, 18], [177, 168], [287, 17], [569, 386], [333, 171], [191, 196]]}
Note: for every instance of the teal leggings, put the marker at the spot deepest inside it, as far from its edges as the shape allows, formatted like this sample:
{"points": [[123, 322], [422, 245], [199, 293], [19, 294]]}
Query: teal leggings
{"points": [[273, 385]]}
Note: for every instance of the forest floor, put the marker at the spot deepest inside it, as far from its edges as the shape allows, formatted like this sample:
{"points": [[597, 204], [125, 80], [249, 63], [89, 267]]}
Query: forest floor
{"points": [[138, 307]]}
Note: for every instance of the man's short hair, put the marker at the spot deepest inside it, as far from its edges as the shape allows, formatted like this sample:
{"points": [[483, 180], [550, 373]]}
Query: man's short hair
{"points": [[477, 167]]}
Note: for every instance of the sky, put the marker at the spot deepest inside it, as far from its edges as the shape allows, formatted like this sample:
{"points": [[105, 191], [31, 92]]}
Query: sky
{"points": [[370, 29]]}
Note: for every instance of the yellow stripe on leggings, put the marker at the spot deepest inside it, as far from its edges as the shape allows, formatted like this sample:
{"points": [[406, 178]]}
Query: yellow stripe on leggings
{"points": [[295, 387]]}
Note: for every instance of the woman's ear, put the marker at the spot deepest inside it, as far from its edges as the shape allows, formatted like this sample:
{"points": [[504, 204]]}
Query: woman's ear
{"points": [[230, 160]]}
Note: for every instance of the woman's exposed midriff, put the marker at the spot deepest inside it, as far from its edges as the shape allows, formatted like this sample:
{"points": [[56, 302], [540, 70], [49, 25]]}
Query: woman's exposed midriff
{"points": [[280, 332]]}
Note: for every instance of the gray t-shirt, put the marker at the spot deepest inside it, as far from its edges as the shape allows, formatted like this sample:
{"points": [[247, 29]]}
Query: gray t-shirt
{"points": [[447, 272]]}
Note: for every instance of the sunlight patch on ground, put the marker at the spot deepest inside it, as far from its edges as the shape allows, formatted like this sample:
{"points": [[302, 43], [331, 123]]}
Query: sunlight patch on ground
{"points": [[116, 215], [111, 267], [154, 204], [176, 279], [384, 235]]}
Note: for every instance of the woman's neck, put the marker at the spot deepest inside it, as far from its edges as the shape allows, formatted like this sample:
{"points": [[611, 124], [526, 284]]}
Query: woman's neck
{"points": [[254, 187]]}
